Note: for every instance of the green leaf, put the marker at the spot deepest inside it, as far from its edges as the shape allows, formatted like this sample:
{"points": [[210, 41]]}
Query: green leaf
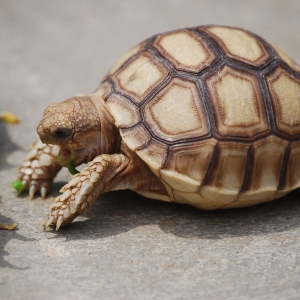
{"points": [[72, 169], [17, 185]]}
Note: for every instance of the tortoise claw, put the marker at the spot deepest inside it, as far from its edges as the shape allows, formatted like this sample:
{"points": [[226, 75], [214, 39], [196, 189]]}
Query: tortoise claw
{"points": [[59, 222], [48, 222], [43, 192], [33, 188]]}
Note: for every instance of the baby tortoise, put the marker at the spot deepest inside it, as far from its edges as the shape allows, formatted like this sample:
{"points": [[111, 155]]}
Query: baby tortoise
{"points": [[207, 116]]}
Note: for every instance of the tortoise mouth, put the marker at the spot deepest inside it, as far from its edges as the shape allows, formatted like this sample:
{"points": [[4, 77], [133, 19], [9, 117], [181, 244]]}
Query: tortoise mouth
{"points": [[90, 148], [75, 156], [65, 151], [65, 156]]}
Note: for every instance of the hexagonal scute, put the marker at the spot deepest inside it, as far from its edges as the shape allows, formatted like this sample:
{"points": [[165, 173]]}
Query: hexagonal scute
{"points": [[237, 103], [185, 50], [285, 93], [176, 113], [140, 76], [239, 44]]}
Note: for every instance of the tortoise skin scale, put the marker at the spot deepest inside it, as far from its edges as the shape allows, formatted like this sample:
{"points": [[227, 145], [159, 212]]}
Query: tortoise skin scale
{"points": [[214, 112]]}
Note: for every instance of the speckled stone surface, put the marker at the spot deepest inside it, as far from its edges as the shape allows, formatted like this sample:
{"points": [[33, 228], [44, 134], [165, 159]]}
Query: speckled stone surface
{"points": [[129, 247]]}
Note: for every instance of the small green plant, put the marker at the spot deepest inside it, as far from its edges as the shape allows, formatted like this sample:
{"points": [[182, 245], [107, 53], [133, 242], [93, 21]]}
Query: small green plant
{"points": [[72, 169], [18, 185]]}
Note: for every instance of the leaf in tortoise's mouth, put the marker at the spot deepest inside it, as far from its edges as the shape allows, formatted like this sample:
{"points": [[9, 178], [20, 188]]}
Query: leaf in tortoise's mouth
{"points": [[66, 158], [72, 168]]}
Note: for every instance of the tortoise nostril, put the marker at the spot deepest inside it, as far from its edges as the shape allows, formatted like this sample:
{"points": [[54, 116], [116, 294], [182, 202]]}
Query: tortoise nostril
{"points": [[62, 133]]}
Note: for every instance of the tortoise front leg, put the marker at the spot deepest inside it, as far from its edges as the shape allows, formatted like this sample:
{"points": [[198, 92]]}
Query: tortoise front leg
{"points": [[38, 169], [103, 174]]}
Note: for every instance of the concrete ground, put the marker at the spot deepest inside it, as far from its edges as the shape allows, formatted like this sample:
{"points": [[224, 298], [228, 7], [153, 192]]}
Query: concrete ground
{"points": [[129, 247]]}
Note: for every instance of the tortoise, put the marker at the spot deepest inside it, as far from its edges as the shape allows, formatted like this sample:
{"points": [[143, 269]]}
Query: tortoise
{"points": [[207, 116]]}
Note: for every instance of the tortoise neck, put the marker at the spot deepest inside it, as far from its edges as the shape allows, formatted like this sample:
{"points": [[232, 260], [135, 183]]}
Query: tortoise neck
{"points": [[110, 136]]}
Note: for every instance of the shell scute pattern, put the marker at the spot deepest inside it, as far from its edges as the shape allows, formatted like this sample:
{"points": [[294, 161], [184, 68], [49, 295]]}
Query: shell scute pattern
{"points": [[130, 115], [139, 77], [215, 119], [136, 138], [292, 177], [289, 61], [239, 44], [233, 117], [177, 45], [284, 89], [162, 115], [190, 162]]}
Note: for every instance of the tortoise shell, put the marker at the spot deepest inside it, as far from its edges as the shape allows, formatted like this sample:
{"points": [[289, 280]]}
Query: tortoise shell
{"points": [[213, 111]]}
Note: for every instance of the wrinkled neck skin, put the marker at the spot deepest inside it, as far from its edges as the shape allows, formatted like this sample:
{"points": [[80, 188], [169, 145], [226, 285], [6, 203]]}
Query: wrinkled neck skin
{"points": [[105, 140], [109, 134]]}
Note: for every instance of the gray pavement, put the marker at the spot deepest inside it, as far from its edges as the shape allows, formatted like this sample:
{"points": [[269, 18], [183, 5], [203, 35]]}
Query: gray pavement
{"points": [[129, 247]]}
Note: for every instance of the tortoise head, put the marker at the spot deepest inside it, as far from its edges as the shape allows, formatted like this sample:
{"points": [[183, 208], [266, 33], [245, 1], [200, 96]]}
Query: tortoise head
{"points": [[81, 126]]}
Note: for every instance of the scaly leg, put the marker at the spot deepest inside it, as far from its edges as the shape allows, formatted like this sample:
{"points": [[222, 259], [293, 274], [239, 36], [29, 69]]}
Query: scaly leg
{"points": [[39, 168], [105, 173], [102, 175]]}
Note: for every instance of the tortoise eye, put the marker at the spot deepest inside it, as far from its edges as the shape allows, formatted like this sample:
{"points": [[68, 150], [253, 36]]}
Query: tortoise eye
{"points": [[62, 133]]}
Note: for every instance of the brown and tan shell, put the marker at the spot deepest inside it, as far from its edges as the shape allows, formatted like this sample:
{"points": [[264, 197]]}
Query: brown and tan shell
{"points": [[214, 112]]}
